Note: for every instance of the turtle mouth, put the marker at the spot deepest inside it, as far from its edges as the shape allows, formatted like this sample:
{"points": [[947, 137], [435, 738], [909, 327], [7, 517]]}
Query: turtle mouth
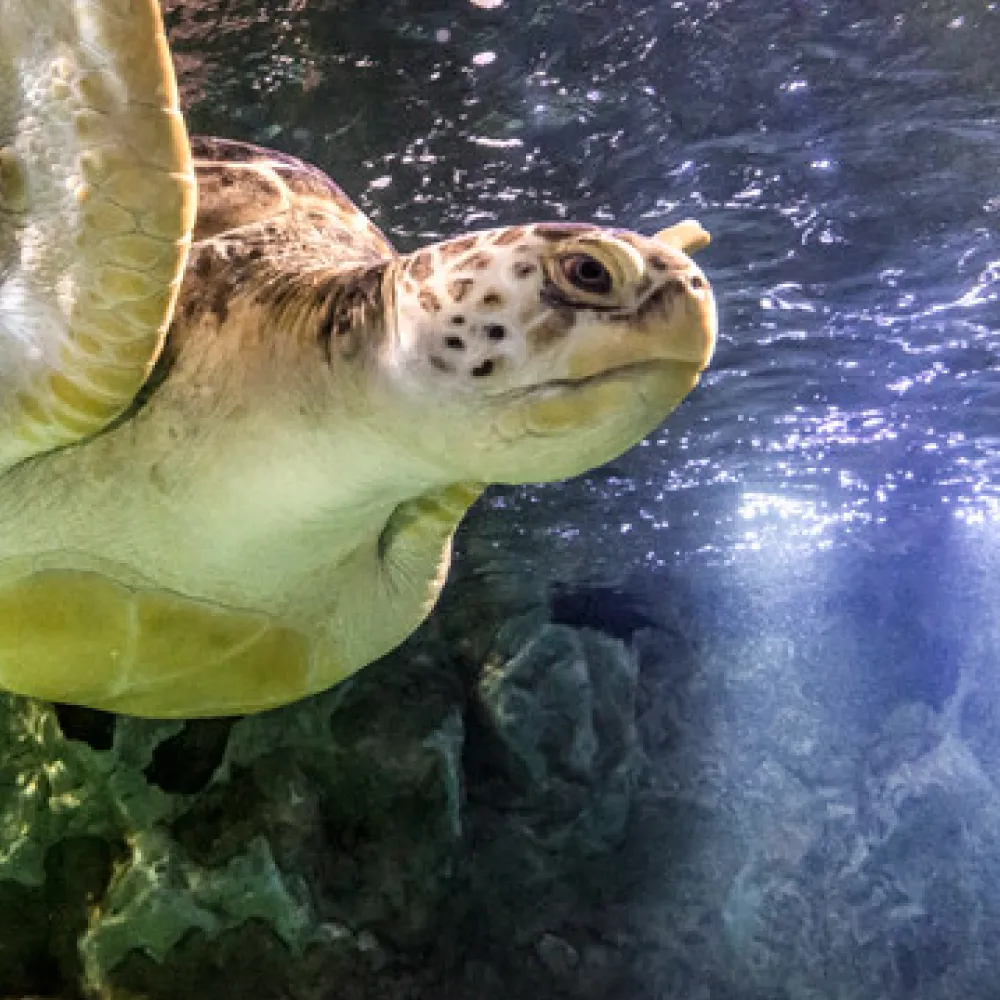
{"points": [[630, 371], [626, 372]]}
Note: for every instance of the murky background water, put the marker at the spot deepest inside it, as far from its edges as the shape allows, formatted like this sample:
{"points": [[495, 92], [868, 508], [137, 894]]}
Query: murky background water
{"points": [[820, 522]]}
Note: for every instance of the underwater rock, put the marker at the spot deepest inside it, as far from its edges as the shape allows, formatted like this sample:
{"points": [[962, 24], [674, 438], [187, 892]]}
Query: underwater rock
{"points": [[558, 709], [350, 836]]}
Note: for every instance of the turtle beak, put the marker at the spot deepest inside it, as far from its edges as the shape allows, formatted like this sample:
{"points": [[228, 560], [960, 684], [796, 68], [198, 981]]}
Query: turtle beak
{"points": [[696, 333], [683, 314]]}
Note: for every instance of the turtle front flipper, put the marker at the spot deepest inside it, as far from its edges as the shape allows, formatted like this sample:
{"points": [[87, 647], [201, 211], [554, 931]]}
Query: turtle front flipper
{"points": [[97, 203]]}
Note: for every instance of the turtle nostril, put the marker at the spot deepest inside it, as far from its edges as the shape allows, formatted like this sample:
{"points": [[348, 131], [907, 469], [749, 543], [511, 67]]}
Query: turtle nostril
{"points": [[692, 284]]}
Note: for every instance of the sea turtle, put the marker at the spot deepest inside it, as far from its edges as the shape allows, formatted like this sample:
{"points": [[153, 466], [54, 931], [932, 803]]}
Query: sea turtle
{"points": [[236, 440]]}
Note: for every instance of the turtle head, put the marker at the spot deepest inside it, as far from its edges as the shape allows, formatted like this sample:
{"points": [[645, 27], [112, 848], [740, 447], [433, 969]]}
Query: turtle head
{"points": [[537, 352]]}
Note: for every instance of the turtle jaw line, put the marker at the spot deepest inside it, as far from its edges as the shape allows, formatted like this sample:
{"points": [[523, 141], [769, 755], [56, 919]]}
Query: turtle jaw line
{"points": [[631, 370]]}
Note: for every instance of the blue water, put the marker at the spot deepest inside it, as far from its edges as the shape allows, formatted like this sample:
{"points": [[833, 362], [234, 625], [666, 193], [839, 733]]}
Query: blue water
{"points": [[819, 523]]}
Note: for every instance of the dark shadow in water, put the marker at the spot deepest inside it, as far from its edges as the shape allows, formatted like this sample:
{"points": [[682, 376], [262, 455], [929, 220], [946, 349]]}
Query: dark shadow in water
{"points": [[88, 725], [185, 762], [612, 610]]}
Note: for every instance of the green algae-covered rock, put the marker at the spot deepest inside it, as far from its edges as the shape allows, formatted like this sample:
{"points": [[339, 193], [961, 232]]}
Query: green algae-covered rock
{"points": [[368, 832], [560, 703]]}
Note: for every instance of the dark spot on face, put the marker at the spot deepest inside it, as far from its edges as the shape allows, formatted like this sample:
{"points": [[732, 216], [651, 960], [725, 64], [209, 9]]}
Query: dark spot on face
{"points": [[459, 288], [509, 236], [644, 286], [441, 365], [696, 282], [421, 267], [455, 343], [429, 302], [478, 261], [458, 320], [492, 300], [657, 262], [495, 331], [484, 369], [457, 247], [524, 270]]}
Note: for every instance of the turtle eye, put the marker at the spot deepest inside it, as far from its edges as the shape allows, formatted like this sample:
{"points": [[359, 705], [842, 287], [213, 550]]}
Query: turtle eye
{"points": [[587, 274]]}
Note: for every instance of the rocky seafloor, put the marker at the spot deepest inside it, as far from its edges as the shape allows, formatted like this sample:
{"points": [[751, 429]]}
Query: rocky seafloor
{"points": [[543, 794]]}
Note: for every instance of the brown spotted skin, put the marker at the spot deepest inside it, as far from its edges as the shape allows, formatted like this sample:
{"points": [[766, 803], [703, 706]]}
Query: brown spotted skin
{"points": [[276, 236], [490, 306]]}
